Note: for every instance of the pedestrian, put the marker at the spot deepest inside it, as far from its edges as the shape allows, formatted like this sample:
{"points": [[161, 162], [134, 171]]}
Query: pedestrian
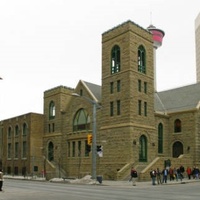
{"points": [[189, 172], [1, 179], [153, 176], [158, 176], [193, 172], [175, 174], [171, 174], [196, 172], [179, 175], [182, 170], [134, 176], [165, 173]]}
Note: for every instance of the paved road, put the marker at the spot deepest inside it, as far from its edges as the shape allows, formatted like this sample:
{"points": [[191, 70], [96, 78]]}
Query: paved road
{"points": [[34, 190]]}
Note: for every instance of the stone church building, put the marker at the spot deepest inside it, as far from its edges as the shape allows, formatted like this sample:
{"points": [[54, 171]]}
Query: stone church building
{"points": [[135, 125]]}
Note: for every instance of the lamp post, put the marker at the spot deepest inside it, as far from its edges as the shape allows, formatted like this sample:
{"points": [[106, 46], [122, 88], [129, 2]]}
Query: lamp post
{"points": [[94, 155]]}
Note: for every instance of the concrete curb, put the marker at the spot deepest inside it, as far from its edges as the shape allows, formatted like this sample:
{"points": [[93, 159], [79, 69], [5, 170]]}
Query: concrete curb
{"points": [[104, 182]]}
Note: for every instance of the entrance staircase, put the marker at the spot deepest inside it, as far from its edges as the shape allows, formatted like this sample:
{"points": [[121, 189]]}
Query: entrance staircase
{"points": [[54, 170], [144, 169]]}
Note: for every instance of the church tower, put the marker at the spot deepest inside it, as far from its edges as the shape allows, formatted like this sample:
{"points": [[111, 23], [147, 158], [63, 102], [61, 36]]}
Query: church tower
{"points": [[127, 95]]}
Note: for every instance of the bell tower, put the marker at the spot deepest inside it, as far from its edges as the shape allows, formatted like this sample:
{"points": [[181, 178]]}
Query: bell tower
{"points": [[127, 94], [127, 76]]}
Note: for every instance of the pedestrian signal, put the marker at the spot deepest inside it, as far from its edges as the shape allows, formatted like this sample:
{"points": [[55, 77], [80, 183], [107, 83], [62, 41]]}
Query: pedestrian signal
{"points": [[100, 150], [89, 139]]}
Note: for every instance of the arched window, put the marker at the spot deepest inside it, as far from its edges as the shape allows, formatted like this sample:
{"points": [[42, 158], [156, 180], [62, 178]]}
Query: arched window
{"points": [[24, 129], [52, 110], [16, 130], [177, 126], [141, 60], [143, 149], [160, 138], [115, 59], [81, 121], [9, 132], [50, 151]]}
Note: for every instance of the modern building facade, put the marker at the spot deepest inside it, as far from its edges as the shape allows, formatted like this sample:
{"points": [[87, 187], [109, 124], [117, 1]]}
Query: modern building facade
{"points": [[197, 43], [135, 125]]}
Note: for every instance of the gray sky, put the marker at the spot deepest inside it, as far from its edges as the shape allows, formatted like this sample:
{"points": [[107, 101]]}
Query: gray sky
{"points": [[47, 43]]}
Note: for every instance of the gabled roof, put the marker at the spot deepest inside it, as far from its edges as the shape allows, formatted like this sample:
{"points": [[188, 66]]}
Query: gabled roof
{"points": [[173, 100], [95, 90], [179, 99]]}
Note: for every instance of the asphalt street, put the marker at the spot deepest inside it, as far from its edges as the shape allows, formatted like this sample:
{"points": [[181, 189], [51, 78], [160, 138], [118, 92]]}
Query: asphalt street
{"points": [[112, 190]]}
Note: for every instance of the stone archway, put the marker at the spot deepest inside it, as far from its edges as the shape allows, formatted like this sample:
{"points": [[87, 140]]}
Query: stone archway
{"points": [[177, 149]]}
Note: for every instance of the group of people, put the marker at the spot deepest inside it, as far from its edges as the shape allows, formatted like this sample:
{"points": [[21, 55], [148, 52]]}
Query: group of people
{"points": [[161, 176], [173, 174]]}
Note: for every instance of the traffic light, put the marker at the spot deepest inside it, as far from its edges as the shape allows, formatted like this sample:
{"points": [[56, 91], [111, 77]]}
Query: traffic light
{"points": [[88, 148], [89, 139]]}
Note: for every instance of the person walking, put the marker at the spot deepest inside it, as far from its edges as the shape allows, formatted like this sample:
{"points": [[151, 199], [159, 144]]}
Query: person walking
{"points": [[165, 173], [158, 176], [180, 176], [134, 176], [189, 172], [182, 170], [171, 174], [153, 176], [175, 174], [196, 172], [1, 179]]}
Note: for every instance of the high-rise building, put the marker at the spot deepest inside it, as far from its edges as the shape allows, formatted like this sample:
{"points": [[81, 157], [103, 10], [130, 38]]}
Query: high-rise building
{"points": [[197, 42]]}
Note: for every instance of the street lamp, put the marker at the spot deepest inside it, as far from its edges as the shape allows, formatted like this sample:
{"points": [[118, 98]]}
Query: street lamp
{"points": [[94, 155]]}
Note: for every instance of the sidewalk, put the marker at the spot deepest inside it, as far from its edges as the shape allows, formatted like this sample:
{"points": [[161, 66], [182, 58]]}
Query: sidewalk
{"points": [[146, 183], [87, 180]]}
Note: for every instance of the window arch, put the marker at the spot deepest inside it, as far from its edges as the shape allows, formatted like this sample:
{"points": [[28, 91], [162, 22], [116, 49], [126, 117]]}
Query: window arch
{"points": [[24, 129], [143, 149], [115, 59], [81, 120], [177, 126], [9, 132], [141, 59], [50, 151], [52, 110], [160, 138], [16, 130]]}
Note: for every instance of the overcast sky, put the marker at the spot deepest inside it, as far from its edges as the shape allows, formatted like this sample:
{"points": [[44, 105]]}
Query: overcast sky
{"points": [[47, 43]]}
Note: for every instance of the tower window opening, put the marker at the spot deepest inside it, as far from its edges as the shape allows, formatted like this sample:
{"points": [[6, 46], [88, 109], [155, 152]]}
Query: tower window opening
{"points": [[115, 59], [141, 60]]}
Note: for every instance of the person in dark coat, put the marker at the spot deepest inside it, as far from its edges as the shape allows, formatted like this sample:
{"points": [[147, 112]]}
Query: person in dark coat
{"points": [[153, 176], [134, 176]]}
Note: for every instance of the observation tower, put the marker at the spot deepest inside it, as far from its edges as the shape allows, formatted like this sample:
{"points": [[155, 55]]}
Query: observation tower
{"points": [[158, 35]]}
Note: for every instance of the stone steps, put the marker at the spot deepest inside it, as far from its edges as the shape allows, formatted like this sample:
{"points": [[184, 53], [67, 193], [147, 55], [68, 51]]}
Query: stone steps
{"points": [[144, 169]]}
